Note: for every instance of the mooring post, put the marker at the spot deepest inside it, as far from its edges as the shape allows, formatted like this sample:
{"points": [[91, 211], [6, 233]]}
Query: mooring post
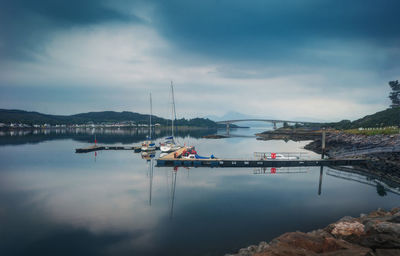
{"points": [[323, 143], [320, 180]]}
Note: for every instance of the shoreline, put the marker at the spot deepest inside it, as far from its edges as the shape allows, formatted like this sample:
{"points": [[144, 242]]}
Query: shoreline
{"points": [[373, 234], [382, 151]]}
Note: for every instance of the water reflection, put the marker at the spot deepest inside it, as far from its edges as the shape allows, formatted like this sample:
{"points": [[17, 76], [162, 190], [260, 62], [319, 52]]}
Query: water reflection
{"points": [[382, 185], [52, 199], [173, 186], [104, 135], [280, 170], [321, 173], [151, 173]]}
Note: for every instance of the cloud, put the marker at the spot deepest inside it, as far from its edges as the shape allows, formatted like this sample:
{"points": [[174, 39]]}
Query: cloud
{"points": [[277, 58], [25, 26], [275, 30]]}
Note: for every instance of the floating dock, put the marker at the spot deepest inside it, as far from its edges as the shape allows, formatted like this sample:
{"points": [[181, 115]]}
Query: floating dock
{"points": [[168, 161], [93, 148], [174, 159]]}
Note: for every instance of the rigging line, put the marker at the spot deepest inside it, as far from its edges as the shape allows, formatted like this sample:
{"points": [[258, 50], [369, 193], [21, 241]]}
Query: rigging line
{"points": [[173, 114], [173, 99], [151, 112]]}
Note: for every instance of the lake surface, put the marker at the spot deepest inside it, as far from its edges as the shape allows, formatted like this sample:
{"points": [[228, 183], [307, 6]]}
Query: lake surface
{"points": [[56, 202]]}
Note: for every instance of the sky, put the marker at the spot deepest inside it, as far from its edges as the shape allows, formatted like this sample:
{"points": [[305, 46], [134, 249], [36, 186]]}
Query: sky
{"points": [[324, 60]]}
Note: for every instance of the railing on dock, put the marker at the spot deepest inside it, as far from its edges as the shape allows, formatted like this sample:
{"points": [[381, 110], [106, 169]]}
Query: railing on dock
{"points": [[280, 170], [280, 155]]}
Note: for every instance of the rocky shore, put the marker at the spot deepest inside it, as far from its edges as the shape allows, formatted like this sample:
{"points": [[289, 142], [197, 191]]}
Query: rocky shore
{"points": [[375, 148], [289, 134], [338, 143], [373, 234], [215, 136]]}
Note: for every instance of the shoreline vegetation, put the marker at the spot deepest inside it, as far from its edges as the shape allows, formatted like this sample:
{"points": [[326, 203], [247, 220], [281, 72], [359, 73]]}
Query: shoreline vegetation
{"points": [[20, 119], [373, 234]]}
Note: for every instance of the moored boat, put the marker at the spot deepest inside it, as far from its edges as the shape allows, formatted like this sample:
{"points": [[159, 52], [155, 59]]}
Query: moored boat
{"points": [[148, 144], [169, 145]]}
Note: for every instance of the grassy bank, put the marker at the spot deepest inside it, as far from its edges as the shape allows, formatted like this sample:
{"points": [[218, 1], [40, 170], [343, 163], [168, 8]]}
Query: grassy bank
{"points": [[374, 131]]}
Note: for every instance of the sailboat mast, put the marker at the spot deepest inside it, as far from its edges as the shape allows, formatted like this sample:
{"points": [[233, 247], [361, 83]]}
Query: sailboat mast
{"points": [[151, 113], [173, 108]]}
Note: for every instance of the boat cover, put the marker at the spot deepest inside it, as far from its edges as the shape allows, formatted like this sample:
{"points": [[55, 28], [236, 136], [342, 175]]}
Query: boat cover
{"points": [[204, 157]]}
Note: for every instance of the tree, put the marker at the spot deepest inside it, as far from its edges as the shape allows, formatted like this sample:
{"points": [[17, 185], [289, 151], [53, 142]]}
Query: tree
{"points": [[395, 94]]}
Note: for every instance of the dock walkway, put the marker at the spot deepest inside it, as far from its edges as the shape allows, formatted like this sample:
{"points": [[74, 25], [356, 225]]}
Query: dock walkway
{"points": [[255, 163]]}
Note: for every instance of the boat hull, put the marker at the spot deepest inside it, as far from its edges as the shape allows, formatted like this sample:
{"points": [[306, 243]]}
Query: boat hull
{"points": [[169, 149]]}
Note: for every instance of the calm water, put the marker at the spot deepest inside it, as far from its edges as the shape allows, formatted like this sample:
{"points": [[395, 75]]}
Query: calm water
{"points": [[56, 202]]}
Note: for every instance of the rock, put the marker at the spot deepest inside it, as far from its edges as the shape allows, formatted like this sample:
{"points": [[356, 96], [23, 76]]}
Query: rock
{"points": [[395, 219], [395, 210], [387, 252], [262, 246], [298, 243], [347, 219], [380, 241], [346, 228], [375, 234], [244, 252], [389, 228], [376, 214]]}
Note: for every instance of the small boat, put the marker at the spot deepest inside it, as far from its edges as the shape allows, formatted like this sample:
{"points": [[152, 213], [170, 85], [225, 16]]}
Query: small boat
{"points": [[191, 153], [169, 145], [148, 155], [282, 157], [163, 154], [148, 144]]}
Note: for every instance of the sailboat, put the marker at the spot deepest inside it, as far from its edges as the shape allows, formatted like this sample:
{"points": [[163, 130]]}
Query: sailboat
{"points": [[169, 145], [148, 144]]}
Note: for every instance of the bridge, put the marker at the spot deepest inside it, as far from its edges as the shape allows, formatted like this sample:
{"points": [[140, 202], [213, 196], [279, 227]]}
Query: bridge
{"points": [[273, 121]]}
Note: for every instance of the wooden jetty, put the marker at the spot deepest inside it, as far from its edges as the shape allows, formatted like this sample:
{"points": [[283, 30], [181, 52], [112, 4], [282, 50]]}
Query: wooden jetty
{"points": [[168, 161], [93, 148]]}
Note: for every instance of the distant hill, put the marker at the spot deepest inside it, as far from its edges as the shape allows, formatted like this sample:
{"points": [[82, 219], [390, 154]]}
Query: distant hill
{"points": [[20, 116], [231, 115], [388, 117]]}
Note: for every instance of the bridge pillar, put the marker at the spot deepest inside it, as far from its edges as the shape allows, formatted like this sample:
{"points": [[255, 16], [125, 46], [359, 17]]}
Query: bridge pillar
{"points": [[227, 128], [274, 125]]}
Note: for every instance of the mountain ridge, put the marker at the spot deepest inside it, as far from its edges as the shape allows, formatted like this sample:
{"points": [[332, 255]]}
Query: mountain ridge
{"points": [[32, 117]]}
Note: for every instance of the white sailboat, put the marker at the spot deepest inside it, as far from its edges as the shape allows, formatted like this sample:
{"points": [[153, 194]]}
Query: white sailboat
{"points": [[148, 144], [169, 145]]}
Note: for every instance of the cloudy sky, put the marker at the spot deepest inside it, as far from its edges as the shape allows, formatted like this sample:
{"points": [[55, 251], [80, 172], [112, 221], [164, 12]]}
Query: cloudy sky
{"points": [[303, 59]]}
